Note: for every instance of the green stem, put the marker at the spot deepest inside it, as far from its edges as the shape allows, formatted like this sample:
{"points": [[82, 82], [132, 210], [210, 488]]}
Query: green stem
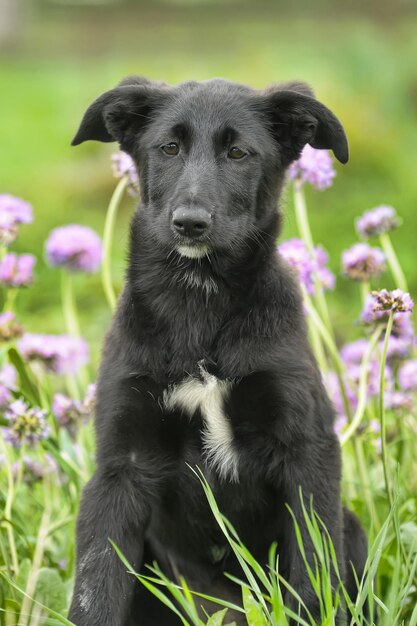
{"points": [[10, 299], [363, 388], [384, 451], [301, 217], [73, 328], [68, 304], [318, 348], [364, 287], [8, 510], [331, 346], [109, 225], [394, 264], [382, 409]]}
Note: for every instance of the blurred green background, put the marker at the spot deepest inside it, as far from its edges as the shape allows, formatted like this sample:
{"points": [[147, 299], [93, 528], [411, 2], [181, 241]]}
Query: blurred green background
{"points": [[56, 57]]}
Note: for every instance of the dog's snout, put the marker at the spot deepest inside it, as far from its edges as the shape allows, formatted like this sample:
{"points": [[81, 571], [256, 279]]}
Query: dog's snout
{"points": [[191, 222]]}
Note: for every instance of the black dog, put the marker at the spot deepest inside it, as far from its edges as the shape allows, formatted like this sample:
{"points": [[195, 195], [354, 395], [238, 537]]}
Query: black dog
{"points": [[207, 361]]}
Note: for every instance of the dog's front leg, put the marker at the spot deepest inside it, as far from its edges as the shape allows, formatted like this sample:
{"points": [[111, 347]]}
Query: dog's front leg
{"points": [[312, 476], [111, 508], [117, 502]]}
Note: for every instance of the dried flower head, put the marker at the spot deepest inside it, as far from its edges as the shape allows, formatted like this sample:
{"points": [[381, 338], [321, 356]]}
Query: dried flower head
{"points": [[377, 221], [396, 301], [26, 425], [60, 354], [75, 247], [314, 167], [17, 270], [362, 262]]}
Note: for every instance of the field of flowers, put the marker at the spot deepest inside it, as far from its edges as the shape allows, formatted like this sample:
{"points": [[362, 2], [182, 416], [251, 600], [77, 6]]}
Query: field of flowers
{"points": [[47, 406]]}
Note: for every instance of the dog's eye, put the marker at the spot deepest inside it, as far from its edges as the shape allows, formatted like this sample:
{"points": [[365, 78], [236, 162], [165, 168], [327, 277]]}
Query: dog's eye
{"points": [[171, 149], [236, 153]]}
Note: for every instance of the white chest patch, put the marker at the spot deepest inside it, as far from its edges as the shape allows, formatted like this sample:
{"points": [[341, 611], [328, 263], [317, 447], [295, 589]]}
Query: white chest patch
{"points": [[208, 395]]}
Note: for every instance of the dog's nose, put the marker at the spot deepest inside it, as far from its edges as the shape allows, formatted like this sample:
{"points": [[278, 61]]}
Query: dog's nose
{"points": [[191, 222]]}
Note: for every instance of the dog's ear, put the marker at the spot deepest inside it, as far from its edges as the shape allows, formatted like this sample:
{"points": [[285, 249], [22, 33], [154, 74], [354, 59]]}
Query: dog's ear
{"points": [[119, 114], [298, 118]]}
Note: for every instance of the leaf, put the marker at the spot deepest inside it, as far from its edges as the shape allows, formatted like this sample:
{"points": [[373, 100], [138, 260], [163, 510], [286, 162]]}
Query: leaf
{"points": [[50, 589], [22, 576], [60, 618], [27, 386], [254, 613], [217, 618]]}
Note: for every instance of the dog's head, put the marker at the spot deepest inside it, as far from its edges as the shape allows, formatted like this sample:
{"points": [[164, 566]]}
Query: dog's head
{"points": [[211, 156]]}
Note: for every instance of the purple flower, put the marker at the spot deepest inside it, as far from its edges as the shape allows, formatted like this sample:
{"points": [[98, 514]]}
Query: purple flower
{"points": [[78, 248], [13, 211], [340, 424], [379, 304], [9, 327], [122, 164], [89, 402], [16, 270], [403, 326], [5, 396], [407, 375], [399, 347], [7, 384], [361, 262], [398, 401], [60, 354], [353, 353], [396, 301], [307, 266], [34, 470], [314, 167], [377, 221], [354, 372], [26, 425], [67, 412], [333, 388]]}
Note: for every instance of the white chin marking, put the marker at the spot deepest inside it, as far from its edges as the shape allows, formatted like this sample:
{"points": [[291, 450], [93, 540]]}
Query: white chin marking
{"points": [[193, 252]]}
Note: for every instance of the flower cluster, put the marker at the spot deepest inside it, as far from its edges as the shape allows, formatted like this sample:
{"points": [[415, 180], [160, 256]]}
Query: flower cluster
{"points": [[394, 301], [377, 221], [314, 167], [362, 263], [309, 267], [16, 270], [26, 425], [60, 354], [69, 413], [75, 247], [13, 212]]}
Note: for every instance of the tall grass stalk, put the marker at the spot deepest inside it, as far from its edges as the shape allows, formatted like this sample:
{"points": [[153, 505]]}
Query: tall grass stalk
{"points": [[109, 227], [393, 262]]}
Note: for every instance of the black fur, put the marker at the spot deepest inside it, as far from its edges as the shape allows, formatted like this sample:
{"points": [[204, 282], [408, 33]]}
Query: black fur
{"points": [[236, 314]]}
